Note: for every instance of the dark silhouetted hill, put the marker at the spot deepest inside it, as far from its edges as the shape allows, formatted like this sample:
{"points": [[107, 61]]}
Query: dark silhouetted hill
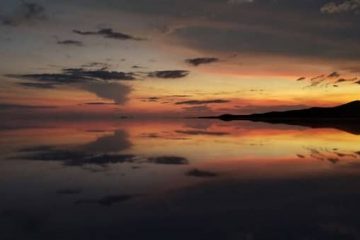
{"points": [[345, 117]]}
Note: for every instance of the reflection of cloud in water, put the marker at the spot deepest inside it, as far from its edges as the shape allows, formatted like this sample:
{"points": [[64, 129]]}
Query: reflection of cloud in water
{"points": [[79, 158], [333, 155], [101, 152], [176, 160], [201, 173], [105, 201], [69, 191], [119, 141], [198, 124], [163, 135], [199, 132]]}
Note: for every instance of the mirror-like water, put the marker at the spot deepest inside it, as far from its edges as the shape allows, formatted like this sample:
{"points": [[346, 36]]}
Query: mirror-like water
{"points": [[196, 179]]}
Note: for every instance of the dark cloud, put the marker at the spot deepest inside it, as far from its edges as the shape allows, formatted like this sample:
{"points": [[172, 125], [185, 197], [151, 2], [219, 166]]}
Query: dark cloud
{"points": [[201, 102], [101, 74], [169, 74], [26, 12], [100, 81], [170, 160], [200, 61], [301, 79], [108, 33], [333, 75], [51, 78], [94, 81], [71, 42]]}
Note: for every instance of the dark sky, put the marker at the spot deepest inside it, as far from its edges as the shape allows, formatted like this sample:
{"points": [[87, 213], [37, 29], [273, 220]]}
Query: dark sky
{"points": [[146, 56]]}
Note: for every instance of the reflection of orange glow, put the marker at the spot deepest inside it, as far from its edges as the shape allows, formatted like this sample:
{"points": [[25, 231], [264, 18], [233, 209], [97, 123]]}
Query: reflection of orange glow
{"points": [[234, 149]]}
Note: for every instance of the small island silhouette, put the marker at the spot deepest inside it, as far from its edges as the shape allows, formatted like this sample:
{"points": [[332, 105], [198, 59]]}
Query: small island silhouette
{"points": [[345, 117]]}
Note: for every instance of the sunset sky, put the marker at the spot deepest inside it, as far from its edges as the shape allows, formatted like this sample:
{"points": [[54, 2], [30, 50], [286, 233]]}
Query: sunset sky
{"points": [[177, 57]]}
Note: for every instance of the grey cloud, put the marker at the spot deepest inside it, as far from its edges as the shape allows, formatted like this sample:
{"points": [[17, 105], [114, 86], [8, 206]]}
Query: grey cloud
{"points": [[102, 82], [259, 29], [108, 33], [94, 81], [109, 90], [24, 13]]}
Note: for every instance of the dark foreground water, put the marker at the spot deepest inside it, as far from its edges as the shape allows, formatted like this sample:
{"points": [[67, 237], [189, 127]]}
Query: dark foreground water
{"points": [[178, 180]]}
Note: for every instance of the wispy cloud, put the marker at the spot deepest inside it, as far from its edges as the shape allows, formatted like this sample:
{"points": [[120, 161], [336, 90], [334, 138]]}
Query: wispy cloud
{"points": [[6, 106], [235, 2], [332, 79], [341, 7], [71, 42], [108, 33], [201, 102]]}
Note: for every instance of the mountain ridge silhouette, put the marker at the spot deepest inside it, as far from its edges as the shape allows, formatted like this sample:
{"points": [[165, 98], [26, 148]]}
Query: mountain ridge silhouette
{"points": [[345, 117]]}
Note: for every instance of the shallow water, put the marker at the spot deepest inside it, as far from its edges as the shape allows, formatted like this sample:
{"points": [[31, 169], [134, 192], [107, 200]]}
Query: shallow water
{"points": [[169, 179]]}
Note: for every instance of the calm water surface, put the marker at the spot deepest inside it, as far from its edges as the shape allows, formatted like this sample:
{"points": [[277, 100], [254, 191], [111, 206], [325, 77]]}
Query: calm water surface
{"points": [[191, 179]]}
